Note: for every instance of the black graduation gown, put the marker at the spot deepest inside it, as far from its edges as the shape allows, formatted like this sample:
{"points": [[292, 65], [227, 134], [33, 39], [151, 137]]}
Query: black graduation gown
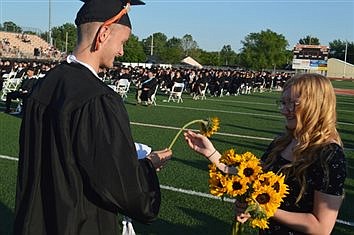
{"points": [[77, 164]]}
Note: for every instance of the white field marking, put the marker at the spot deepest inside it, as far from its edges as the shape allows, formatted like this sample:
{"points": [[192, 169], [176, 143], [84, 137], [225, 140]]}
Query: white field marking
{"points": [[270, 104], [217, 133], [234, 112], [9, 158], [241, 102], [191, 192], [219, 111], [194, 193], [345, 111]]}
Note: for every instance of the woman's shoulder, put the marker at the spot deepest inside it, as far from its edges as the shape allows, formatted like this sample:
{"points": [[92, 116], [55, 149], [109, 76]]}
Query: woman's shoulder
{"points": [[330, 170], [331, 157], [331, 152]]}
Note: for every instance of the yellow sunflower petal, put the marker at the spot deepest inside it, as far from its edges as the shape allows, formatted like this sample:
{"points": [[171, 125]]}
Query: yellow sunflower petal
{"points": [[250, 169], [210, 126], [236, 186], [268, 199], [260, 223]]}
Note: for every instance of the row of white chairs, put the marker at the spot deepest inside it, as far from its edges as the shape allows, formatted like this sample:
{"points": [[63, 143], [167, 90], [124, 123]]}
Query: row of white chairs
{"points": [[175, 94], [177, 90]]}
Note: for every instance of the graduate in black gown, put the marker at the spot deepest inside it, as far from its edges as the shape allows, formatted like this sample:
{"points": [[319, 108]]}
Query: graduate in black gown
{"points": [[78, 166]]}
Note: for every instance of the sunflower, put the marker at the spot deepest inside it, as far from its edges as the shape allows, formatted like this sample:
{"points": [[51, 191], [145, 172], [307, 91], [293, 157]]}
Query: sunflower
{"points": [[265, 179], [273, 180], [217, 184], [267, 198], [279, 186], [212, 168], [236, 185], [260, 223], [262, 192], [230, 158], [209, 126], [250, 169], [247, 156]]}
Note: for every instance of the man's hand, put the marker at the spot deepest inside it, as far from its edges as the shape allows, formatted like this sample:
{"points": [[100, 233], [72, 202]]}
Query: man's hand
{"points": [[160, 158]]}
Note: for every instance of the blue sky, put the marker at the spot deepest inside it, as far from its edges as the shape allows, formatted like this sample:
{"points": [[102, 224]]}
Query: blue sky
{"points": [[212, 24]]}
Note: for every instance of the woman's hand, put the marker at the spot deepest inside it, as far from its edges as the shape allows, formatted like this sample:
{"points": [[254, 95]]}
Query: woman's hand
{"points": [[199, 143], [240, 208]]}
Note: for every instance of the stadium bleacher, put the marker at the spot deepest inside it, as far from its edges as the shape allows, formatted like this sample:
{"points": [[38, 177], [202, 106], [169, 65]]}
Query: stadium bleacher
{"points": [[24, 46]]}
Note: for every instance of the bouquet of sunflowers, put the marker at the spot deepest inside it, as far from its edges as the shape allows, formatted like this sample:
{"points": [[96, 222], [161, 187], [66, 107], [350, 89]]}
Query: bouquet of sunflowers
{"points": [[262, 192]]}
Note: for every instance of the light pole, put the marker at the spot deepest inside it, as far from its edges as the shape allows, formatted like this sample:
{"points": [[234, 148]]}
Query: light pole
{"points": [[345, 58], [50, 23], [66, 43]]}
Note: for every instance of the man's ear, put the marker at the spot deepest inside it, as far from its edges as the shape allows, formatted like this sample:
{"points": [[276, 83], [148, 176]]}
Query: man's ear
{"points": [[102, 36]]}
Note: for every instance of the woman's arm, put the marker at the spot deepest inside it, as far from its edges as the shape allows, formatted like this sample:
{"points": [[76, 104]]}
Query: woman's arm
{"points": [[321, 221]]}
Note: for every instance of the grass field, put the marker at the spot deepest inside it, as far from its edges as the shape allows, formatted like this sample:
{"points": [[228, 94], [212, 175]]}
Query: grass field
{"points": [[248, 123]]}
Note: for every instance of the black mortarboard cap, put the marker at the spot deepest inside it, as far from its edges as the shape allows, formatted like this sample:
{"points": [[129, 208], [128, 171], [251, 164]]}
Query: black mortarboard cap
{"points": [[102, 10]]}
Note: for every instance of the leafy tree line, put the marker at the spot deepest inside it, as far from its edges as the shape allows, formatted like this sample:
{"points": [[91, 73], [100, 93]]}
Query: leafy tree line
{"points": [[262, 50]]}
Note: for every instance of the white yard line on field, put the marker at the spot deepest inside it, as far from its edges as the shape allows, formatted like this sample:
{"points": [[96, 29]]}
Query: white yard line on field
{"points": [[270, 104], [217, 133], [235, 112], [8, 158], [219, 111], [190, 192]]}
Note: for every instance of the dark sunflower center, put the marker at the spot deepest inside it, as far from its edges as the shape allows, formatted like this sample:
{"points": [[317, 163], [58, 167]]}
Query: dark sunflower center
{"points": [[219, 184], [276, 187], [263, 198], [237, 186], [265, 181], [248, 172]]}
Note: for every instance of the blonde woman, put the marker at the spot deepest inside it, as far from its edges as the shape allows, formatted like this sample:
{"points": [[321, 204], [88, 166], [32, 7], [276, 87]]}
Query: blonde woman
{"points": [[309, 153]]}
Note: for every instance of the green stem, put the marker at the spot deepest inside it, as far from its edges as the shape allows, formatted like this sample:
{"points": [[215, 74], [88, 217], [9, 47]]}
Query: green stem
{"points": [[180, 131]]}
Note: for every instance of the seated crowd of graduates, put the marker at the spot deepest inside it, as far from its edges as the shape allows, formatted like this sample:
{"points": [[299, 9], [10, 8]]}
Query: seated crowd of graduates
{"points": [[217, 82], [27, 73]]}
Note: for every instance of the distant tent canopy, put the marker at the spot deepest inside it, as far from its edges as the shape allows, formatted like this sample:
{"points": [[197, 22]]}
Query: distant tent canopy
{"points": [[190, 61]]}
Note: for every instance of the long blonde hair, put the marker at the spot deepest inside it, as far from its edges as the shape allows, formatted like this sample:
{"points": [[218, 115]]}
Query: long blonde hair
{"points": [[316, 125]]}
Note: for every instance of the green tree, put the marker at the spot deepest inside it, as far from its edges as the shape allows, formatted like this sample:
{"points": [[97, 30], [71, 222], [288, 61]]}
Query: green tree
{"points": [[264, 50], [64, 37], [133, 51], [337, 50], [174, 51], [309, 40], [188, 45], [30, 32], [10, 26], [155, 43], [209, 58], [227, 56]]}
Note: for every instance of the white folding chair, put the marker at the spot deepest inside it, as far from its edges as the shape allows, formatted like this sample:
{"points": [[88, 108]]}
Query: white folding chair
{"points": [[176, 92], [123, 87], [201, 94], [10, 84], [9, 75]]}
